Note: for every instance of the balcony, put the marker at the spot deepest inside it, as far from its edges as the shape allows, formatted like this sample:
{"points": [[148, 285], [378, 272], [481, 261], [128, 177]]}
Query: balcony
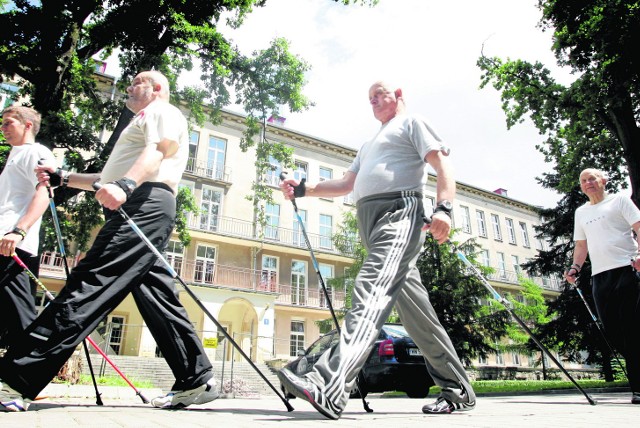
{"points": [[215, 172], [234, 227], [206, 273], [511, 277]]}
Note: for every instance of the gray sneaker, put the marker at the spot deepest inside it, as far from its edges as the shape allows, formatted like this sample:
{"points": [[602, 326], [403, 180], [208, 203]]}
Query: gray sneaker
{"points": [[303, 388], [11, 400], [444, 406], [180, 399]]}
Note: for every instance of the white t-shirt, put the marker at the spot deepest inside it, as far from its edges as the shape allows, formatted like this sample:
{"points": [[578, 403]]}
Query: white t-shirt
{"points": [[394, 159], [156, 122], [17, 187], [607, 228]]}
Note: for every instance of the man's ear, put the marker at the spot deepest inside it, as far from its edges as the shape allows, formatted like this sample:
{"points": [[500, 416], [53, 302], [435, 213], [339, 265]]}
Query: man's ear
{"points": [[398, 93]]}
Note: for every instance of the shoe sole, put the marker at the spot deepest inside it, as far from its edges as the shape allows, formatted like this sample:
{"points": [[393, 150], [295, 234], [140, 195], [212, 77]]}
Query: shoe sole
{"points": [[205, 396], [306, 396]]}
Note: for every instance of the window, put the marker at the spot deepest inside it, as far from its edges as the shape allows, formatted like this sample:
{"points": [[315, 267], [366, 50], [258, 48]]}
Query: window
{"points": [[115, 332], [495, 223], [482, 227], [326, 231], [515, 357], [297, 338], [515, 263], [269, 276], [326, 174], [499, 359], [210, 208], [327, 273], [205, 264], [525, 234], [484, 258], [348, 199], [272, 176], [194, 138], [502, 268], [215, 158], [300, 170], [272, 214], [466, 219], [298, 282], [175, 255], [482, 360], [298, 234], [511, 231]]}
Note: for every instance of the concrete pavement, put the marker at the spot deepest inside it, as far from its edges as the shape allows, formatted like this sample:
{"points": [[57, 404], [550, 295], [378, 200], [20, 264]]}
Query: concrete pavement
{"points": [[122, 408]]}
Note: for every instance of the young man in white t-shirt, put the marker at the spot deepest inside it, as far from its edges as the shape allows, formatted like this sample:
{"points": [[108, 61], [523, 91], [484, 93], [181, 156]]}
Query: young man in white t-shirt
{"points": [[604, 229], [21, 209]]}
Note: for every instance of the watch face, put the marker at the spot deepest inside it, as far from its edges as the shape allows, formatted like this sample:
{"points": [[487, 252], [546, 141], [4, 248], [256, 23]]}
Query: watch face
{"points": [[446, 205]]}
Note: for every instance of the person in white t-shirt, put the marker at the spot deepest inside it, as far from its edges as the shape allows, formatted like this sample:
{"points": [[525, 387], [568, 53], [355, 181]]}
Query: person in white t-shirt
{"points": [[21, 209], [140, 177], [604, 229]]}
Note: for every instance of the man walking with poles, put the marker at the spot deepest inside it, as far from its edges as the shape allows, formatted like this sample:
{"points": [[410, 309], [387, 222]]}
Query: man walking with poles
{"points": [[603, 229], [140, 177], [21, 209], [387, 178]]}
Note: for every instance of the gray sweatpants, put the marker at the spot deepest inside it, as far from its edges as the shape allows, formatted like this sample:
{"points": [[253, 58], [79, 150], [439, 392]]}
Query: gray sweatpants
{"points": [[390, 227]]}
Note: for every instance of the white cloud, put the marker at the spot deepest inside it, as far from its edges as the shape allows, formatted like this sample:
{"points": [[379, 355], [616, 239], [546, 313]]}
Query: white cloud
{"points": [[430, 47]]}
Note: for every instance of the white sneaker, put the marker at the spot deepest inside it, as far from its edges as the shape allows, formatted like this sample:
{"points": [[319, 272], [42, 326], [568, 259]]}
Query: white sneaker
{"points": [[179, 399], [11, 400]]}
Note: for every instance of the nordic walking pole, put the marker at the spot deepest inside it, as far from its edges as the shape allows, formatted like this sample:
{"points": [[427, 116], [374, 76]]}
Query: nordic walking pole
{"points": [[316, 266], [56, 225], [49, 296], [172, 272], [600, 329], [507, 306]]}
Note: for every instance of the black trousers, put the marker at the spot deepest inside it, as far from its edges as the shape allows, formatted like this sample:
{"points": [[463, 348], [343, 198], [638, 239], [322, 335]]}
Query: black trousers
{"points": [[616, 294], [117, 264], [17, 295]]}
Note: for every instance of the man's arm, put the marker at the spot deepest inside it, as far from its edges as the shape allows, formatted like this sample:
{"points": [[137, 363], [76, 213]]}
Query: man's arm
{"points": [[579, 256], [323, 189], [440, 225], [636, 260]]}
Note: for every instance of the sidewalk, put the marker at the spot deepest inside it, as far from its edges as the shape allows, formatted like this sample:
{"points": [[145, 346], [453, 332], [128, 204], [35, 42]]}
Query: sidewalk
{"points": [[122, 408]]}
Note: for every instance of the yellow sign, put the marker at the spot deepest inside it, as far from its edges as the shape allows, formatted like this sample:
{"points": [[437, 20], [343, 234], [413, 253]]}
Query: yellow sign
{"points": [[210, 342]]}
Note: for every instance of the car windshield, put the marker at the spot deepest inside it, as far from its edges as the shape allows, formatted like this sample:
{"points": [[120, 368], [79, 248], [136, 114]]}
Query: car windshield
{"points": [[322, 344], [395, 330]]}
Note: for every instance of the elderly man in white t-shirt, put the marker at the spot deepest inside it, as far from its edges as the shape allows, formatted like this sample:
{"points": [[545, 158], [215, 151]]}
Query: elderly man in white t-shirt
{"points": [[604, 229], [141, 177]]}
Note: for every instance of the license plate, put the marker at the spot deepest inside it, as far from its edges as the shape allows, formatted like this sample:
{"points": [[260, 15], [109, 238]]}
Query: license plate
{"points": [[415, 352]]}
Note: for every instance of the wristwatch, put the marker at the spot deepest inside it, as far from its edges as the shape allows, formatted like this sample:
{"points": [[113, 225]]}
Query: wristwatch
{"points": [[444, 206], [126, 184]]}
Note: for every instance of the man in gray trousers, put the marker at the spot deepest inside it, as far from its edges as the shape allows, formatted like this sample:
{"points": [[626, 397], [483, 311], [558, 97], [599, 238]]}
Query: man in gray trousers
{"points": [[387, 178]]}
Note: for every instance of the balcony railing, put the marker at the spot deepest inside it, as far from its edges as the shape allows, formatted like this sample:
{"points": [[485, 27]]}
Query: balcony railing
{"points": [[214, 171], [278, 235], [547, 283], [206, 273]]}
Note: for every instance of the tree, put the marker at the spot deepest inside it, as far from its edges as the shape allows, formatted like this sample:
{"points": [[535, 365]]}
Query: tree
{"points": [[49, 49], [456, 296], [592, 122]]}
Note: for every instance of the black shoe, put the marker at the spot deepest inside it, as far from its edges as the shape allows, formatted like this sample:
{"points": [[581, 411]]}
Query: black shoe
{"points": [[303, 388], [635, 398], [444, 406]]}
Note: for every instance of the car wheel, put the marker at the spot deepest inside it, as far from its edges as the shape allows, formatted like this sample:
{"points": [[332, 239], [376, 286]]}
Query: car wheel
{"points": [[418, 392]]}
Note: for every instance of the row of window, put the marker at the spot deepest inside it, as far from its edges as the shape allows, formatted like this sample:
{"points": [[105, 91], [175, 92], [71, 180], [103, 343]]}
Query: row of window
{"points": [[496, 226]]}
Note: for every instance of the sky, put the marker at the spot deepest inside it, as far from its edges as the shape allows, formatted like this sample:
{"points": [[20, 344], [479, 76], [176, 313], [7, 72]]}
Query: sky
{"points": [[429, 48]]}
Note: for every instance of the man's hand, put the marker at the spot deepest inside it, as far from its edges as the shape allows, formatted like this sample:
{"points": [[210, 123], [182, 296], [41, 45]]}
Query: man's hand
{"points": [[439, 227], [44, 172], [111, 196], [288, 188], [8, 244], [571, 275], [635, 262]]}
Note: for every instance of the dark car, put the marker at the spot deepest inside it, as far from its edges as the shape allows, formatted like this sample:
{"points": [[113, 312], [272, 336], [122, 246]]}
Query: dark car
{"points": [[394, 364]]}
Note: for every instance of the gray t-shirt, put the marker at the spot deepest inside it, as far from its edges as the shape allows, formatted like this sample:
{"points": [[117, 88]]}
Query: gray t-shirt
{"points": [[394, 160]]}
